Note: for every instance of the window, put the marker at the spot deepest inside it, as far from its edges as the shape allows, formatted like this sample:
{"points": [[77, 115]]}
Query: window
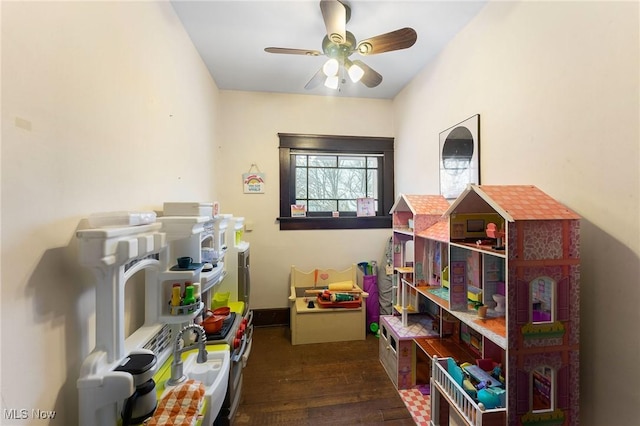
{"points": [[542, 389], [542, 300], [328, 174]]}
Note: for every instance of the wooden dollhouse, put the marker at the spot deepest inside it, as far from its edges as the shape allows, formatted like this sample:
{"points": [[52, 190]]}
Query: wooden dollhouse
{"points": [[412, 214], [502, 294]]}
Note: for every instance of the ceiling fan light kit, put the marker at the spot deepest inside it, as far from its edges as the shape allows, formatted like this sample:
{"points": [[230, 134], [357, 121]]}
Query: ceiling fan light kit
{"points": [[355, 71], [331, 67], [332, 82], [339, 44]]}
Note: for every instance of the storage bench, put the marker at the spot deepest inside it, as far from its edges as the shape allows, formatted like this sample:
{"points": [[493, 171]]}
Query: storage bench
{"points": [[324, 324]]}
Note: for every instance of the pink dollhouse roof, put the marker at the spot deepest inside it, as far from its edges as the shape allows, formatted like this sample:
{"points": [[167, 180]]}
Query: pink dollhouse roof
{"points": [[517, 202], [423, 204], [439, 231]]}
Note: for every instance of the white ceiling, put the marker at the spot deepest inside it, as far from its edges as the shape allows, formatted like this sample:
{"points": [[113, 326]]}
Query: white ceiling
{"points": [[231, 37]]}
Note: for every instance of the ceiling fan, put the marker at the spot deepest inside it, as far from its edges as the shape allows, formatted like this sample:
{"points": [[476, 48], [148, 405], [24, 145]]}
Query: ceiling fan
{"points": [[339, 44]]}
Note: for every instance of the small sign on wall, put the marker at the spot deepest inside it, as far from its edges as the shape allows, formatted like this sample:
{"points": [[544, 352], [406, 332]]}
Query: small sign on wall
{"points": [[253, 181]]}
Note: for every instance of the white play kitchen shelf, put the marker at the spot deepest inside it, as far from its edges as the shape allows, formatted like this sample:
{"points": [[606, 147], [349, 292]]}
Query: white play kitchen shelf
{"points": [[115, 255]]}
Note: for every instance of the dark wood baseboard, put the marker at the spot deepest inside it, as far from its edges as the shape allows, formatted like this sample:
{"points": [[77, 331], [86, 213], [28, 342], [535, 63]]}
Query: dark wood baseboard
{"points": [[270, 317]]}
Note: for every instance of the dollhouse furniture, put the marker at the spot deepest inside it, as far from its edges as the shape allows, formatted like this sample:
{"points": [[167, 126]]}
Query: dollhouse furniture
{"points": [[533, 332], [313, 323]]}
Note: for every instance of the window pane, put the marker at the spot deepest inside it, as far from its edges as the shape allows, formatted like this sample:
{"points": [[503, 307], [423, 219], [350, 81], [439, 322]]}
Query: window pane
{"points": [[300, 160], [372, 162], [323, 161], [323, 183], [347, 205], [322, 206], [372, 183], [301, 183], [351, 162], [351, 183]]}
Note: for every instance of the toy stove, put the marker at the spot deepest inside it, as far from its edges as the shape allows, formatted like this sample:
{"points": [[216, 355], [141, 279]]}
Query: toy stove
{"points": [[237, 332], [221, 335]]}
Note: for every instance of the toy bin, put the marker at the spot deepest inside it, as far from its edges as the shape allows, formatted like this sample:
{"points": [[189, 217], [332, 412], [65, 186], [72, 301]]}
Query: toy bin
{"points": [[370, 286]]}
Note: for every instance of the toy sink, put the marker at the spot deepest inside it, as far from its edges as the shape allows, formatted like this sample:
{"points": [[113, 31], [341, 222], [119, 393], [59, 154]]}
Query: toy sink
{"points": [[206, 372], [214, 374]]}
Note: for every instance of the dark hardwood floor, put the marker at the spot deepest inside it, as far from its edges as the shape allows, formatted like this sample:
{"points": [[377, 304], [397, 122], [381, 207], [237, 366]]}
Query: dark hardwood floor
{"points": [[318, 384]]}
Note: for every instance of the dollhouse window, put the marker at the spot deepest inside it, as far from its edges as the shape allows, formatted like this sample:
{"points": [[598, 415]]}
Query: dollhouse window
{"points": [[542, 300], [543, 389]]}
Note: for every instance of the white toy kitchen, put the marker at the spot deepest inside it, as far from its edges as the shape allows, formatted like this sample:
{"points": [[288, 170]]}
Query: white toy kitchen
{"points": [[143, 375]]}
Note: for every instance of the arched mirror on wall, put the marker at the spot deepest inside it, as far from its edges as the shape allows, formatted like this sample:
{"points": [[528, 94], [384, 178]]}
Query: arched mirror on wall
{"points": [[459, 157]]}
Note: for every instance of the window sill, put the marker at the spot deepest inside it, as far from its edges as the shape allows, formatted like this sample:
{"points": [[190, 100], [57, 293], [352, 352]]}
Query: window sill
{"points": [[302, 223]]}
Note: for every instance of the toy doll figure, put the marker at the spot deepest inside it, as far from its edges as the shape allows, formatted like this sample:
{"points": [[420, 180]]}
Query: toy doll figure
{"points": [[497, 371], [483, 385]]}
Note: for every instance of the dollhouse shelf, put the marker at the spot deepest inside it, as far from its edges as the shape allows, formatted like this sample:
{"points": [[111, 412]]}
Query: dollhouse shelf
{"points": [[405, 231], [482, 248]]}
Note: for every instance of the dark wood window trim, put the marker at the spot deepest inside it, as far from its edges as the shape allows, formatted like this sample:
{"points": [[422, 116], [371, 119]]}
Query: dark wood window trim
{"points": [[347, 144]]}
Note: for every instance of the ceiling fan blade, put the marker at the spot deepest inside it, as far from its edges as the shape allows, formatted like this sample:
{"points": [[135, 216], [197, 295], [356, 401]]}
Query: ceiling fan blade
{"points": [[288, 51], [395, 40], [334, 14], [316, 80], [371, 78]]}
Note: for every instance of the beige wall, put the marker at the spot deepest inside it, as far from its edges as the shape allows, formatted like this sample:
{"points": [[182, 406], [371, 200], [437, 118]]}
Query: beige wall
{"points": [[556, 85], [250, 125], [105, 106]]}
